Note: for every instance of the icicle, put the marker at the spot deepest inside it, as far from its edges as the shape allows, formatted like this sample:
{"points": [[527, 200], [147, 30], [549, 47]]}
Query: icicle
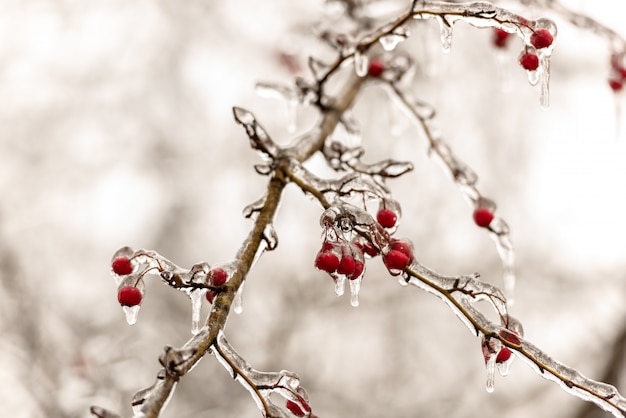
{"points": [[196, 297], [544, 94], [131, 312], [446, 34], [355, 286], [491, 373], [339, 284], [238, 300], [361, 63]]}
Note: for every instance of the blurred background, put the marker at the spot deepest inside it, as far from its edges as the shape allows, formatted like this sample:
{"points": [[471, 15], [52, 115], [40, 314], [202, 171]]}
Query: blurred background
{"points": [[116, 129]]}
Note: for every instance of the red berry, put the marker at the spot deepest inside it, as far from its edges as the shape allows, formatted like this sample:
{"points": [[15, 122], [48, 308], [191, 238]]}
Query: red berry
{"points": [[367, 247], [541, 38], [294, 408], [616, 85], [217, 276], [500, 37], [346, 265], [483, 217], [404, 247], [122, 266], [529, 61], [210, 295], [510, 337], [387, 218], [622, 72], [359, 266], [503, 355], [396, 260], [327, 261], [129, 296], [376, 68]]}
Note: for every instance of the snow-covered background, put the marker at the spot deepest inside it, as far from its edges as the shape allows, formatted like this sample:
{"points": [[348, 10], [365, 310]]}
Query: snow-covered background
{"points": [[116, 129]]}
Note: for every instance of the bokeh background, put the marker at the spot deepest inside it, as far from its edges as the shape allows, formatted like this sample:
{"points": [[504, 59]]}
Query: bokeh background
{"points": [[116, 129]]}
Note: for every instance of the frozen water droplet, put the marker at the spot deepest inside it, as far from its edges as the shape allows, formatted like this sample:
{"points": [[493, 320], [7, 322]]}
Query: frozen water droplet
{"points": [[389, 42], [355, 286], [238, 300], [505, 367], [446, 34], [361, 63], [339, 285], [533, 76], [270, 237], [131, 312], [196, 297]]}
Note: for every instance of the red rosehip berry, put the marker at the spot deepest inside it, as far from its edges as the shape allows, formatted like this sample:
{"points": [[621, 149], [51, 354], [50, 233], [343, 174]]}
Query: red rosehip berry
{"points": [[359, 266], [483, 217], [500, 37], [386, 218], [217, 276], [129, 296], [367, 248], [376, 68], [541, 38], [396, 260], [346, 265], [327, 261], [510, 336], [294, 408], [404, 247], [616, 85], [529, 61], [210, 295], [122, 266], [503, 355]]}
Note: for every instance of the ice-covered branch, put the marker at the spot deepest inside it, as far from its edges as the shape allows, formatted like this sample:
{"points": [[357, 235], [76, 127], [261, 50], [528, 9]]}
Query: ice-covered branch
{"points": [[446, 288], [484, 209]]}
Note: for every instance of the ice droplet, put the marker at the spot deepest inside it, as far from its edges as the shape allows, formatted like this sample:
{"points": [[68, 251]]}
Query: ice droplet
{"points": [[270, 237], [505, 367], [391, 41], [238, 300], [355, 286], [339, 285], [131, 312], [196, 297], [446, 34], [361, 62]]}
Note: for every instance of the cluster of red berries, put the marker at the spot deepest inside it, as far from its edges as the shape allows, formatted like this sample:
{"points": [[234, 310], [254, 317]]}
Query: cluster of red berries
{"points": [[341, 258], [540, 39], [127, 295], [618, 76], [505, 353]]}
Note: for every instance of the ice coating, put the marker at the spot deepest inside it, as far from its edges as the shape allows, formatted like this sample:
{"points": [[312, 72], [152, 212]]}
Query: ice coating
{"points": [[238, 300], [261, 385], [461, 303]]}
